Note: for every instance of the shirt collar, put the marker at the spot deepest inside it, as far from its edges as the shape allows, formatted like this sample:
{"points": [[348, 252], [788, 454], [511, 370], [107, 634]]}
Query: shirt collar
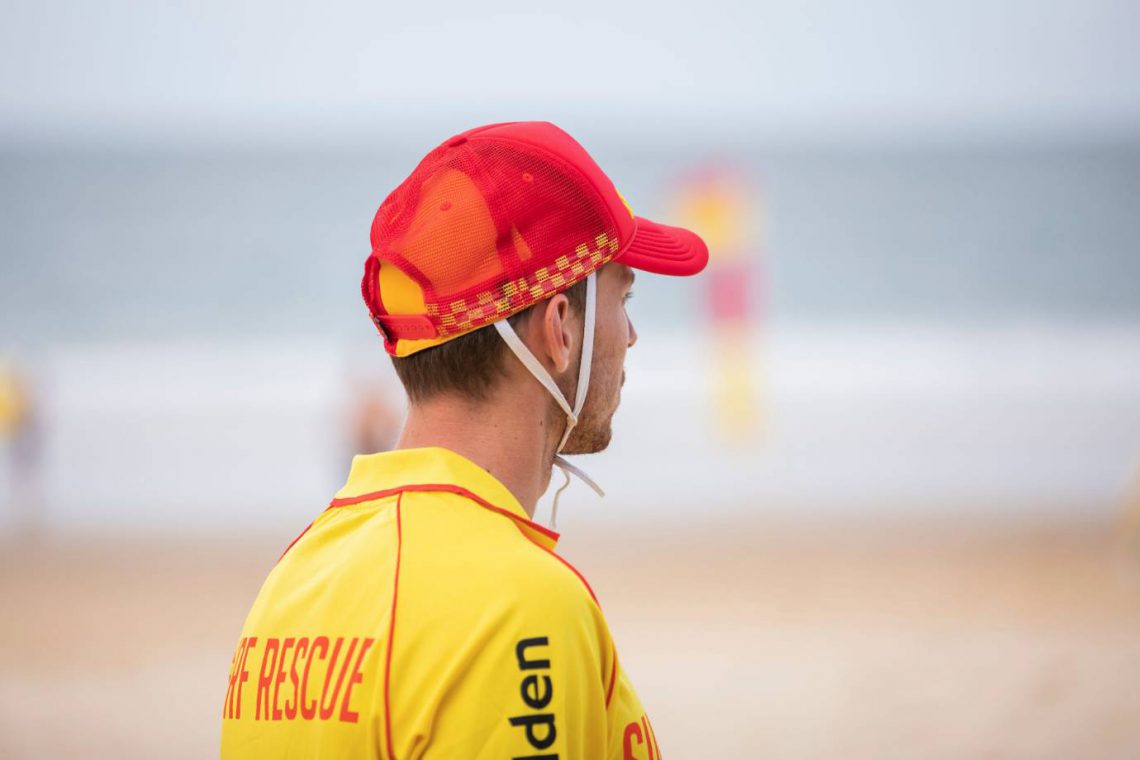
{"points": [[437, 469]]}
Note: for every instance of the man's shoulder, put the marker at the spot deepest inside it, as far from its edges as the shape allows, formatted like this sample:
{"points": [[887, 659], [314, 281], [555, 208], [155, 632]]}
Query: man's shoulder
{"points": [[546, 574], [487, 551]]}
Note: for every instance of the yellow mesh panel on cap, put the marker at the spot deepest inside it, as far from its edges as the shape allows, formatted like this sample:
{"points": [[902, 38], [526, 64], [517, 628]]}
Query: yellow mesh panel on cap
{"points": [[403, 295], [400, 293]]}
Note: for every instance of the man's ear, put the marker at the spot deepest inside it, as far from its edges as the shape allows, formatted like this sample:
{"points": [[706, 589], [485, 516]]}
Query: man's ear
{"points": [[553, 333]]}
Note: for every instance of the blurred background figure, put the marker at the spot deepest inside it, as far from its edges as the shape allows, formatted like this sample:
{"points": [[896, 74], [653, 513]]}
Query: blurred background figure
{"points": [[375, 416], [1130, 512], [868, 490], [19, 438]]}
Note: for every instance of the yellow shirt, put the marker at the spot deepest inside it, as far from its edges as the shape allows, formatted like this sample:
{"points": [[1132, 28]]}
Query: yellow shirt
{"points": [[422, 615]]}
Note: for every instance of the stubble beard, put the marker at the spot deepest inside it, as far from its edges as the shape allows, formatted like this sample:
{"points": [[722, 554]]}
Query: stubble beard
{"points": [[594, 430]]}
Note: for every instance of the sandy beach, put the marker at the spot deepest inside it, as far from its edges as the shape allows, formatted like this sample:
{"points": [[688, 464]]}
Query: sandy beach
{"points": [[784, 640]]}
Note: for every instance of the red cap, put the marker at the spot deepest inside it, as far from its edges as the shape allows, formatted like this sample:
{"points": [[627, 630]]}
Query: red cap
{"points": [[495, 220]]}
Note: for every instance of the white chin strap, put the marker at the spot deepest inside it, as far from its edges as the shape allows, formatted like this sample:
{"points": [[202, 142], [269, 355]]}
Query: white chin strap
{"points": [[511, 338]]}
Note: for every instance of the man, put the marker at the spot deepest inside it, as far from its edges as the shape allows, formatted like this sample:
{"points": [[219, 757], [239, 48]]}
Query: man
{"points": [[424, 614]]}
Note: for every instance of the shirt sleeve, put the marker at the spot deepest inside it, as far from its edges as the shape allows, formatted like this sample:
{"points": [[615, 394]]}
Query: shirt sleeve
{"points": [[558, 706], [532, 686]]}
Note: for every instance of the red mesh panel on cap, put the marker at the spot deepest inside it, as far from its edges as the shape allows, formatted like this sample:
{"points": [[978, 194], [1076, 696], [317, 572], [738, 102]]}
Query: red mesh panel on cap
{"points": [[487, 227]]}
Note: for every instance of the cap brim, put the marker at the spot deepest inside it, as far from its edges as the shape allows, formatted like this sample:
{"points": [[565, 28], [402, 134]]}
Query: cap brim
{"points": [[662, 249]]}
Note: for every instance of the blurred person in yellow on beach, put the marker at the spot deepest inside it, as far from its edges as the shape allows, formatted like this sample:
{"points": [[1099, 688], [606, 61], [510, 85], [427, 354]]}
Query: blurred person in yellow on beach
{"points": [[19, 440], [13, 403], [424, 613]]}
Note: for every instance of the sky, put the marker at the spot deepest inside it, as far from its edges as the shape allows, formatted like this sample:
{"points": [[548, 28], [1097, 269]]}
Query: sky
{"points": [[74, 69]]}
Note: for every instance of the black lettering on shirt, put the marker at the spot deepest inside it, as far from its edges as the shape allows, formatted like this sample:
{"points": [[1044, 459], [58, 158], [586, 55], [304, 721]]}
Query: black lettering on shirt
{"points": [[537, 691], [520, 652]]}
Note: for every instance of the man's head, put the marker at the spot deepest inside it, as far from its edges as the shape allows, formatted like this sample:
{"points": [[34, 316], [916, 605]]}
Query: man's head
{"points": [[514, 225]]}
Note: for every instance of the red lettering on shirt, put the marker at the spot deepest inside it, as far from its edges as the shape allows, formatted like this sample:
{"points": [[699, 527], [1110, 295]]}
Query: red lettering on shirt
{"points": [[631, 731], [280, 678], [309, 709], [347, 715], [228, 705], [643, 732], [291, 705], [265, 679], [250, 643], [288, 662], [238, 676], [327, 707]]}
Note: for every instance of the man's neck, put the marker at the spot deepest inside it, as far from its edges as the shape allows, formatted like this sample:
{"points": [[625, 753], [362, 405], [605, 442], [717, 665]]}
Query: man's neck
{"points": [[514, 447]]}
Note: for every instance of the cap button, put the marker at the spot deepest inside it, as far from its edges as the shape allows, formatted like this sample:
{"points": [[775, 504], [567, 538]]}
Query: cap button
{"points": [[456, 141]]}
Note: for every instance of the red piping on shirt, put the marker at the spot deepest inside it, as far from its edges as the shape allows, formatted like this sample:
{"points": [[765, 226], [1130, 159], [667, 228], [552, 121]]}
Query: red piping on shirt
{"points": [[572, 569], [447, 488], [613, 665], [294, 541], [392, 632], [613, 679], [349, 500], [652, 736], [648, 736]]}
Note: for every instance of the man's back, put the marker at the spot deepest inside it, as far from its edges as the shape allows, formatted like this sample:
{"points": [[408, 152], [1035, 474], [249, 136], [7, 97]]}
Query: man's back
{"points": [[423, 615]]}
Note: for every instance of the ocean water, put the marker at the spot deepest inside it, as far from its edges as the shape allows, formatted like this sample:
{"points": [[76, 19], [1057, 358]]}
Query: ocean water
{"points": [[118, 245]]}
